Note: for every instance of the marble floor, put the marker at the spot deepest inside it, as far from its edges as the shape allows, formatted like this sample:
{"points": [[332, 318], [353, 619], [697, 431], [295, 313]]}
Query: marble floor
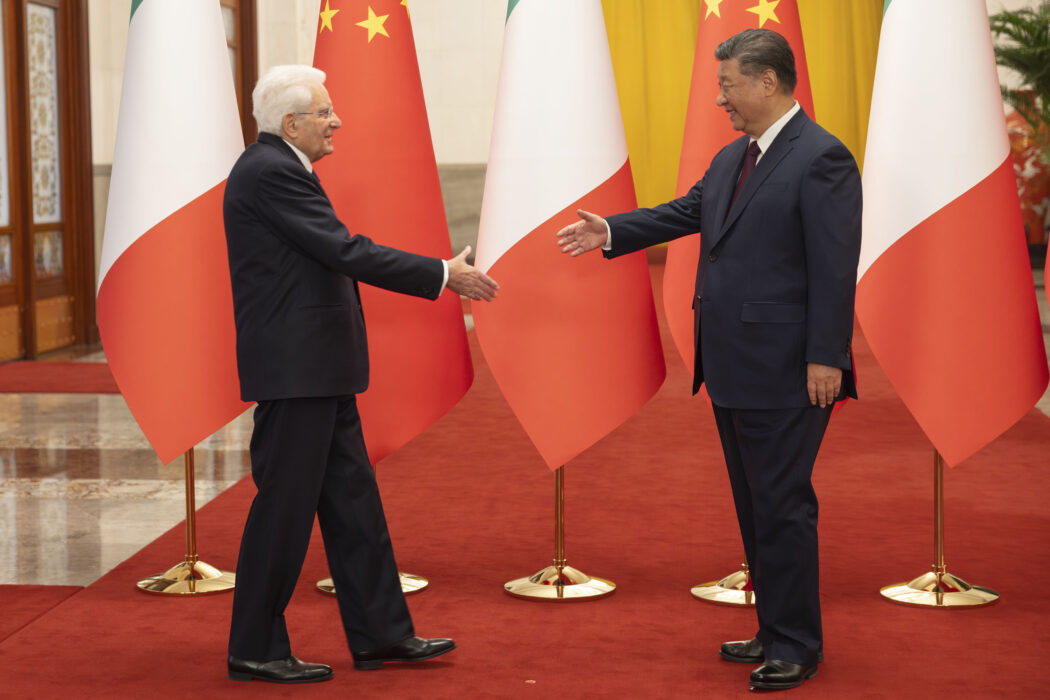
{"points": [[81, 490]]}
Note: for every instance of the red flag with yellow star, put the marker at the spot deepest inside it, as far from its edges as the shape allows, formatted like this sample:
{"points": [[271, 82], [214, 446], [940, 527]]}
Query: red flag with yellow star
{"points": [[383, 182], [707, 130]]}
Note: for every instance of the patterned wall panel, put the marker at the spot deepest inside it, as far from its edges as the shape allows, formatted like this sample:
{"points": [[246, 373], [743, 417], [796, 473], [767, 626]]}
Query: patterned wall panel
{"points": [[42, 44], [5, 185]]}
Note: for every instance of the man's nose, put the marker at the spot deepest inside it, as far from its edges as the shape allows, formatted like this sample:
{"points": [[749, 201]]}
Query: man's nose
{"points": [[720, 99], [334, 122]]}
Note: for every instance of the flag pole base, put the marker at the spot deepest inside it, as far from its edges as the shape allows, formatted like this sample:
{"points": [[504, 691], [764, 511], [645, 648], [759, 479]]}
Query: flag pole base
{"points": [[734, 589], [410, 583], [191, 577], [560, 583], [939, 590]]}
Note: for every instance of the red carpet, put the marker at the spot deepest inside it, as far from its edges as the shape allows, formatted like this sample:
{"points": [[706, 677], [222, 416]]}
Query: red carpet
{"points": [[470, 507], [21, 605], [29, 377]]}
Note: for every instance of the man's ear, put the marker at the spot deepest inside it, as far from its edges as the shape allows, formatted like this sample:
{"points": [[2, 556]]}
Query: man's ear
{"points": [[290, 125], [769, 81]]}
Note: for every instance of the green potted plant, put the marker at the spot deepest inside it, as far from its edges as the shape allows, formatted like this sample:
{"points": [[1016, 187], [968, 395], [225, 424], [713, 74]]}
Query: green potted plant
{"points": [[1022, 44]]}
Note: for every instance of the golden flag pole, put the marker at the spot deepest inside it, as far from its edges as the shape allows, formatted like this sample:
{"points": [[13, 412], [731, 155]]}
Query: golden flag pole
{"points": [[191, 576], [559, 582], [410, 583], [938, 588]]}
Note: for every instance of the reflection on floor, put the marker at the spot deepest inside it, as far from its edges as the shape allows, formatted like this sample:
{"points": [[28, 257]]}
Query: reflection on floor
{"points": [[81, 489]]}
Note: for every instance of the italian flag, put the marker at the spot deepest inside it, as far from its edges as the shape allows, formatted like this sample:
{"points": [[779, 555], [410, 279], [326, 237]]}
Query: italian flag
{"points": [[572, 342], [165, 311], [945, 294]]}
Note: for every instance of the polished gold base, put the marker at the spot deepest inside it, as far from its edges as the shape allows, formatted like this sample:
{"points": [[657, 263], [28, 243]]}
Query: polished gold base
{"points": [[939, 590], [560, 584], [410, 583], [734, 589], [189, 578]]}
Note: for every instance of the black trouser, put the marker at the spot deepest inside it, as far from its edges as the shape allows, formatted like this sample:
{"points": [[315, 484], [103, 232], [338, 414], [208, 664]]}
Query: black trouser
{"points": [[770, 455], [308, 456]]}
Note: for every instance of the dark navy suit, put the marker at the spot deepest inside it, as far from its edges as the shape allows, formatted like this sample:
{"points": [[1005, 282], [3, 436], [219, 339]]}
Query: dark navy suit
{"points": [[302, 355], [774, 291]]}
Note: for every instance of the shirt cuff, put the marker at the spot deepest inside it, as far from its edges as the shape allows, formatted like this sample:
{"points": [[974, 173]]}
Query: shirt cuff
{"points": [[608, 236], [444, 279]]}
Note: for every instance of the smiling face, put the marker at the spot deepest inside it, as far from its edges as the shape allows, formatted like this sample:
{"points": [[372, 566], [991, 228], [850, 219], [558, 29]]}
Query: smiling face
{"points": [[747, 100], [310, 131]]}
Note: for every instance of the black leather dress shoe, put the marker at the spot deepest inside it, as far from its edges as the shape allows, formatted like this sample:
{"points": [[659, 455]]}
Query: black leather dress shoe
{"points": [[775, 674], [743, 652], [411, 649], [749, 652], [290, 670]]}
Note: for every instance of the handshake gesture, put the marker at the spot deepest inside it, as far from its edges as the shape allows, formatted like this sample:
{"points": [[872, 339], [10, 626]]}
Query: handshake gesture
{"points": [[469, 281], [587, 234], [575, 239]]}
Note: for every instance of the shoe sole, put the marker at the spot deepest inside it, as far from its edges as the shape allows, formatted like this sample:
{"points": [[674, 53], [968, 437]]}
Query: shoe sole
{"points": [[741, 659], [755, 659], [759, 685], [376, 664], [240, 676]]}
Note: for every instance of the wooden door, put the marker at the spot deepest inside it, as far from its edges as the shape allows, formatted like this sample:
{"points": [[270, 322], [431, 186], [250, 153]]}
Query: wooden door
{"points": [[46, 229]]}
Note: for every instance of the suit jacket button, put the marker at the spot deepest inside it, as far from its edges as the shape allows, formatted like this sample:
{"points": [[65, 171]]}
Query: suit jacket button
{"points": [[712, 257]]}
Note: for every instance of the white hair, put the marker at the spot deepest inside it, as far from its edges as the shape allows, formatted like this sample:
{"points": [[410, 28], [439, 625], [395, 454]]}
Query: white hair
{"points": [[282, 90]]}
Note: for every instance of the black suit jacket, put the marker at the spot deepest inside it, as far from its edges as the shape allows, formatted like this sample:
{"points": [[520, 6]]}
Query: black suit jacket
{"points": [[778, 271], [294, 269]]}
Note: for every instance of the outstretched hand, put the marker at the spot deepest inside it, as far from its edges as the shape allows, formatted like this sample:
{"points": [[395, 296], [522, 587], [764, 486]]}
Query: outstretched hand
{"points": [[587, 234], [469, 281]]}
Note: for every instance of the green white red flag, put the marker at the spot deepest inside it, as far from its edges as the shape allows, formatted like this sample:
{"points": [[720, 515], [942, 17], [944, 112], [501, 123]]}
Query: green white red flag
{"points": [[572, 342], [382, 180], [945, 293], [165, 310]]}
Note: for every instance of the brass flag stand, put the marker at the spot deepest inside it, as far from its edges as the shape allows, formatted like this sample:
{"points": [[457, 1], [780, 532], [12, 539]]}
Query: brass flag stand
{"points": [[191, 576], [734, 589], [938, 588], [410, 583], [559, 582]]}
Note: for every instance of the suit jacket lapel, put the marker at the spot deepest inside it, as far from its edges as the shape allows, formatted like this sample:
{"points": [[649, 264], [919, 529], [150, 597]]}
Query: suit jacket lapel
{"points": [[734, 154], [781, 146]]}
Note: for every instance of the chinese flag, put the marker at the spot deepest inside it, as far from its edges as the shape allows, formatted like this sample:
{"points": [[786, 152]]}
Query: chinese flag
{"points": [[707, 130], [383, 182]]}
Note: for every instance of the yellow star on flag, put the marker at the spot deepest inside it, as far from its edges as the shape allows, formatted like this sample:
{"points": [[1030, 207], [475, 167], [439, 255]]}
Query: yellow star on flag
{"points": [[374, 24], [326, 18], [765, 9], [712, 8], [405, 3]]}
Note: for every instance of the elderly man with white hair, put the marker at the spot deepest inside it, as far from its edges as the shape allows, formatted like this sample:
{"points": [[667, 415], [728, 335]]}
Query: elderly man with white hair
{"points": [[302, 355]]}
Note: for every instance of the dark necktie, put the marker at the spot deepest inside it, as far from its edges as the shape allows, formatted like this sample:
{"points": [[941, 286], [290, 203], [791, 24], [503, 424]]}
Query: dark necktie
{"points": [[750, 159]]}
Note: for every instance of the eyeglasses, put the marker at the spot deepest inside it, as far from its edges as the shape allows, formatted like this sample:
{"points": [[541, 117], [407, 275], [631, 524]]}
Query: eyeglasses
{"points": [[325, 114]]}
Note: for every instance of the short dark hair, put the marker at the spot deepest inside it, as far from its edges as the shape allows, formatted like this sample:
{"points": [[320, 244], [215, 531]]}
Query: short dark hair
{"points": [[758, 50]]}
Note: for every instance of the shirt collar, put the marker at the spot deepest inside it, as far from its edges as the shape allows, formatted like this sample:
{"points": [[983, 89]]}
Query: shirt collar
{"points": [[302, 156], [770, 134]]}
